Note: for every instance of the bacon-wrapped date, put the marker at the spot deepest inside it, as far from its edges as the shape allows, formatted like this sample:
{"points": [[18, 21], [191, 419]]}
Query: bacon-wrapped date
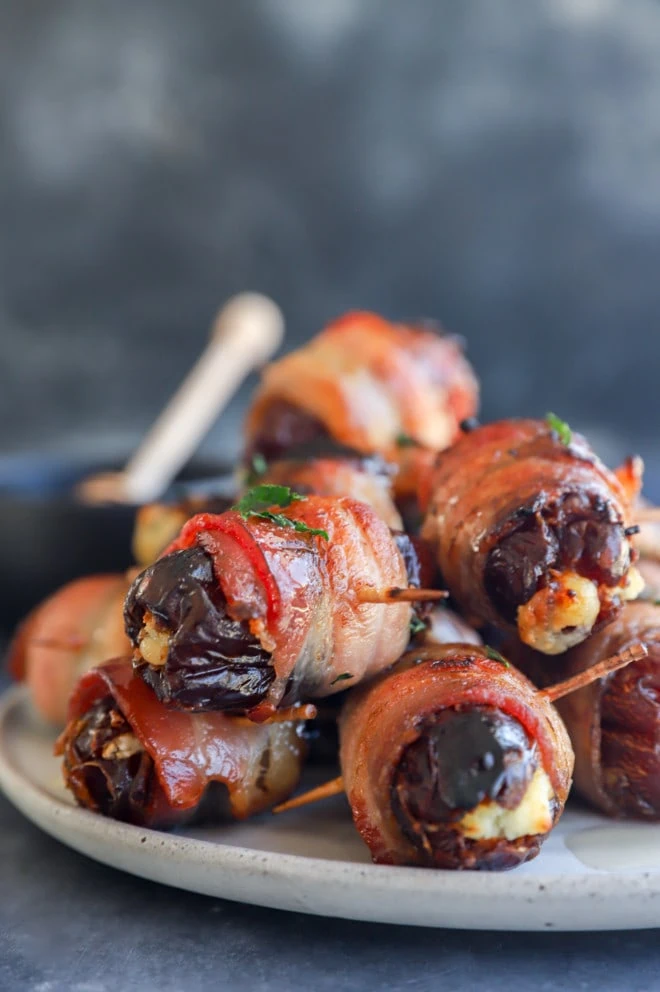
{"points": [[442, 626], [614, 723], [647, 544], [646, 539], [76, 628], [365, 382], [453, 760], [367, 479], [157, 524], [532, 533], [245, 614], [127, 757]]}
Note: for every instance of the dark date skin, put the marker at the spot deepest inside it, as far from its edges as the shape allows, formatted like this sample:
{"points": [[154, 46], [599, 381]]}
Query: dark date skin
{"points": [[125, 788], [420, 566], [575, 534], [285, 430], [461, 758], [213, 662], [121, 788]]}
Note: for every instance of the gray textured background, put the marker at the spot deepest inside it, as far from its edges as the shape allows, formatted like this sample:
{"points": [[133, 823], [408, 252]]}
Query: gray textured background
{"points": [[495, 165]]}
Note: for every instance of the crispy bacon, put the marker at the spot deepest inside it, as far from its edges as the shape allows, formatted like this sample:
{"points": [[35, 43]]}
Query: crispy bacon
{"points": [[79, 626], [368, 480], [382, 721], [530, 533], [365, 382], [301, 594], [614, 723], [259, 764]]}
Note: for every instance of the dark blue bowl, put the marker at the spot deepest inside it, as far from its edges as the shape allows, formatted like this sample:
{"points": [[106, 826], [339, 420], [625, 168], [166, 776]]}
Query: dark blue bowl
{"points": [[49, 537]]}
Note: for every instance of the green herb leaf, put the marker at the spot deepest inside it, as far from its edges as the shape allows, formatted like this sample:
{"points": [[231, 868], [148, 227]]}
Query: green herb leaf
{"points": [[257, 501], [342, 678], [406, 441], [559, 427], [260, 498], [417, 626], [495, 656]]}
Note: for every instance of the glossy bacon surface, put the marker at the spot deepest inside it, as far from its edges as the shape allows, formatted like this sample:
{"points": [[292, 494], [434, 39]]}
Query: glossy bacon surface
{"points": [[513, 508], [614, 723], [301, 593], [365, 381], [258, 763], [380, 721], [368, 480], [79, 626]]}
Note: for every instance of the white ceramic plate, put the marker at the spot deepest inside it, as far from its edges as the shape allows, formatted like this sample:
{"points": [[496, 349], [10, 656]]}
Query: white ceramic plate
{"points": [[592, 874]]}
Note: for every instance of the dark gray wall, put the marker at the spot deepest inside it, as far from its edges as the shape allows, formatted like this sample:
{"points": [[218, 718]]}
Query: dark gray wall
{"points": [[492, 164]]}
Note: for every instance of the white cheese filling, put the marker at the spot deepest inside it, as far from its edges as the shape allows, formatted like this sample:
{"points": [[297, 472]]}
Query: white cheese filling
{"points": [[153, 643], [634, 585], [564, 613], [561, 615], [124, 746], [532, 816]]}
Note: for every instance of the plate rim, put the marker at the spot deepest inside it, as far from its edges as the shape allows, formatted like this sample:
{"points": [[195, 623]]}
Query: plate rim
{"points": [[53, 816]]}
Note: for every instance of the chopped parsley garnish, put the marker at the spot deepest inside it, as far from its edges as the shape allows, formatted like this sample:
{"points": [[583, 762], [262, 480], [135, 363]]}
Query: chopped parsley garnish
{"points": [[559, 427], [406, 441], [495, 656], [342, 677], [417, 626], [258, 500]]}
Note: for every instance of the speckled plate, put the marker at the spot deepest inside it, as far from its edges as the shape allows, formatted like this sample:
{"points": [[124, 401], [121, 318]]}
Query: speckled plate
{"points": [[592, 874]]}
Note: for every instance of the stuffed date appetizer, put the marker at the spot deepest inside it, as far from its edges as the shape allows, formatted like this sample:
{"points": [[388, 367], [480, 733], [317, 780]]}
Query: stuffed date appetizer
{"points": [[367, 384], [532, 532], [452, 760], [614, 723], [157, 524], [367, 479], [78, 627], [127, 757], [267, 604]]}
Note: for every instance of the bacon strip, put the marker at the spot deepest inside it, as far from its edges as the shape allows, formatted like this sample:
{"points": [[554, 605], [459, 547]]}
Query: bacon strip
{"points": [[614, 723], [79, 626], [499, 481], [300, 592], [368, 480], [381, 720], [367, 381], [191, 750]]}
